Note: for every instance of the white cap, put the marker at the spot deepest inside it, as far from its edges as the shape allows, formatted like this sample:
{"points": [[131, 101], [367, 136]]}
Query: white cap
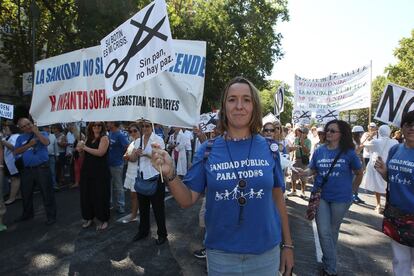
{"points": [[372, 124], [358, 129], [320, 129]]}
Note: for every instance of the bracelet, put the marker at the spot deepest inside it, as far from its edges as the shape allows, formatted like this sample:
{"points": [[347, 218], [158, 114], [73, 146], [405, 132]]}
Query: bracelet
{"points": [[169, 179], [290, 246]]}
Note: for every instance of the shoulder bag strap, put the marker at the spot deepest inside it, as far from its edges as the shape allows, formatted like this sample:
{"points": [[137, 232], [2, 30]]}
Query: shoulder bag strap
{"points": [[325, 178]]}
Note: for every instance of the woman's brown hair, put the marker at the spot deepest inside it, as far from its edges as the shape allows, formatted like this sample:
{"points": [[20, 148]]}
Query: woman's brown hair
{"points": [[89, 131]]}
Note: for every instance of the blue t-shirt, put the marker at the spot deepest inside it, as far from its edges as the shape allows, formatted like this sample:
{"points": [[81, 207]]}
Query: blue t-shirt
{"points": [[260, 229], [35, 155], [401, 178], [117, 147], [338, 188]]}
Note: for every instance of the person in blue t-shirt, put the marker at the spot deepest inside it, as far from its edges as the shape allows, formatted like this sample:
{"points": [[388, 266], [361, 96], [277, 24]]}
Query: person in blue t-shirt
{"points": [[31, 146], [337, 191], [399, 173], [118, 144], [246, 218]]}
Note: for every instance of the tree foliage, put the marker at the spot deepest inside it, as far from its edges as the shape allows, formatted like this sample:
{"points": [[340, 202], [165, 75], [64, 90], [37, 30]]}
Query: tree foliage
{"points": [[241, 35], [402, 73]]}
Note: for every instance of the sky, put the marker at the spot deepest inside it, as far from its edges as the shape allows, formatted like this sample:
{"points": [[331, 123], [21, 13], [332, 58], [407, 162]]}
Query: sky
{"points": [[336, 36]]}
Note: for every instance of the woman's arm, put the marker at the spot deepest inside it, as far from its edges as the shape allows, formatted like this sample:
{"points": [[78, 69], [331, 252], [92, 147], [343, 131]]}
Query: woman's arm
{"points": [[358, 178], [162, 162], [102, 148], [287, 259]]}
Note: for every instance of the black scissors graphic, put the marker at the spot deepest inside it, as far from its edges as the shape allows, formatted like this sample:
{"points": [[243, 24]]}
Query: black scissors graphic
{"points": [[330, 114], [136, 46], [304, 115]]}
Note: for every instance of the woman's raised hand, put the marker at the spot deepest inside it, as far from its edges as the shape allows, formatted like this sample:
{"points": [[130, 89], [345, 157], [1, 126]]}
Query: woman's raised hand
{"points": [[162, 161]]}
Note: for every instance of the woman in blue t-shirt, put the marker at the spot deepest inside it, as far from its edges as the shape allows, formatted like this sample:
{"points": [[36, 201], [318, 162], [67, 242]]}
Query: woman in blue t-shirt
{"points": [[337, 191], [399, 173], [246, 218]]}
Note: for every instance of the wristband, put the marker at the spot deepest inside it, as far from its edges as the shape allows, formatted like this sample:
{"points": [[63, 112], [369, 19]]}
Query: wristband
{"points": [[290, 246], [169, 179]]}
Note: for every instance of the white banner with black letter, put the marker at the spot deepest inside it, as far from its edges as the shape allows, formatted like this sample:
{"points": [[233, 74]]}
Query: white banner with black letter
{"points": [[395, 102], [71, 87], [138, 50], [6, 111], [334, 93]]}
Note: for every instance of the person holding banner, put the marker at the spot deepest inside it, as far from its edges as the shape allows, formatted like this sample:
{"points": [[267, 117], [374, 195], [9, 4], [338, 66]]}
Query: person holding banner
{"points": [[95, 178], [337, 189], [247, 229], [398, 171]]}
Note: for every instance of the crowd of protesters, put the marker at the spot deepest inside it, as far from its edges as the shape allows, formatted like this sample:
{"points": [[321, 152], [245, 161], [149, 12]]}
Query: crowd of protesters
{"points": [[57, 156]]}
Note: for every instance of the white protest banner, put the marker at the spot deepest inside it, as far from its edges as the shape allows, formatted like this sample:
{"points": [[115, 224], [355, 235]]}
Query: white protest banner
{"points": [[6, 111], [395, 102], [138, 50], [27, 83], [279, 100], [208, 121], [336, 92], [71, 87], [302, 117]]}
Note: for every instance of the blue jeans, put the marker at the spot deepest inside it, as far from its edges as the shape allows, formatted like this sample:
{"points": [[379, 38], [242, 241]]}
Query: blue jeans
{"points": [[224, 263], [328, 220], [52, 167], [117, 187]]}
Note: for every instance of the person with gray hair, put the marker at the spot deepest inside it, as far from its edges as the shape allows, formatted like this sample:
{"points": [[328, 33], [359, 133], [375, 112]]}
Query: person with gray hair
{"points": [[380, 147]]}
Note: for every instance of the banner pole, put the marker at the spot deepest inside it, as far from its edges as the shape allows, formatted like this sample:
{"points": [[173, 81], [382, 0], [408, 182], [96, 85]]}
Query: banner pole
{"points": [[370, 94]]}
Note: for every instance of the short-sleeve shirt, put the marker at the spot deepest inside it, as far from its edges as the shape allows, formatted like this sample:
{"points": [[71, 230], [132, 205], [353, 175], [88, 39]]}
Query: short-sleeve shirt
{"points": [[35, 155], [338, 187], [401, 178], [219, 174], [117, 147]]}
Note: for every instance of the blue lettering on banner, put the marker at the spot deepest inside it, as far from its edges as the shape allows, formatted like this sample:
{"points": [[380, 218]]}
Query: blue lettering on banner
{"points": [[63, 72], [98, 66], [189, 64]]}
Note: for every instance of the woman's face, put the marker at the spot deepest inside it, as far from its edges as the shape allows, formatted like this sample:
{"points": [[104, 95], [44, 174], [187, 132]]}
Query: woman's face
{"points": [[408, 131], [146, 128], [333, 134], [268, 130], [96, 128], [239, 106], [133, 132]]}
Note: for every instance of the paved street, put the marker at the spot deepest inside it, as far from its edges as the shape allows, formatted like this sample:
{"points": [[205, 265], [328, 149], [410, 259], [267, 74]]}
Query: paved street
{"points": [[32, 248]]}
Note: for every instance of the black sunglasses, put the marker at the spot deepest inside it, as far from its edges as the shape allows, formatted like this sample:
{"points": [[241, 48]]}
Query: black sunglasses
{"points": [[133, 130], [241, 199], [269, 130], [332, 131]]}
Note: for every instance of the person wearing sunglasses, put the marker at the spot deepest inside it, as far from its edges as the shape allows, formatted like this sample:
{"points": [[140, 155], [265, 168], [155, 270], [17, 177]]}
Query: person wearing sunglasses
{"points": [[95, 186], [131, 155], [337, 190], [398, 171], [247, 230], [147, 171]]}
